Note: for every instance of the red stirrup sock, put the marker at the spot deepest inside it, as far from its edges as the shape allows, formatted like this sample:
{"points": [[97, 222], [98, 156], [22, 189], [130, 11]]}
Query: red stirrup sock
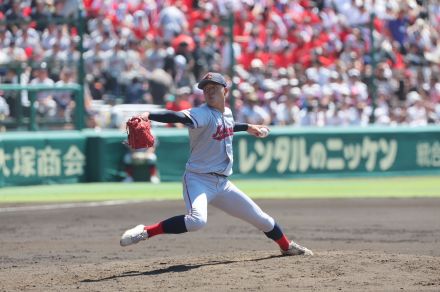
{"points": [[277, 235], [153, 230], [283, 242], [173, 225]]}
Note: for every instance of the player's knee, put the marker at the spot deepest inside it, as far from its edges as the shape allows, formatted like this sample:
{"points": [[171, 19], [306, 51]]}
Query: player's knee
{"points": [[196, 222], [199, 224]]}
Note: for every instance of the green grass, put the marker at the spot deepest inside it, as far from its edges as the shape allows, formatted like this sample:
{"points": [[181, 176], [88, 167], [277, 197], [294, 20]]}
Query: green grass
{"points": [[398, 187]]}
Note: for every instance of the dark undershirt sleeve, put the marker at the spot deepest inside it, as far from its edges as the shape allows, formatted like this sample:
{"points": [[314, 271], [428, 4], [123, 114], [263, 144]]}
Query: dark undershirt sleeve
{"points": [[170, 117], [240, 127]]}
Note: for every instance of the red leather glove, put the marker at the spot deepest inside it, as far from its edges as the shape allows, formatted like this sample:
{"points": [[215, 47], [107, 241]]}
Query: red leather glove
{"points": [[139, 133]]}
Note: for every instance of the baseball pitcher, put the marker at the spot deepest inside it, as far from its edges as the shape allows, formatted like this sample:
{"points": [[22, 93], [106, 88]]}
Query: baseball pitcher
{"points": [[205, 181]]}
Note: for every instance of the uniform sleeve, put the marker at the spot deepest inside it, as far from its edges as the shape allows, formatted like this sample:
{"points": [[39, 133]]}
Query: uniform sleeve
{"points": [[240, 127], [170, 117], [199, 117]]}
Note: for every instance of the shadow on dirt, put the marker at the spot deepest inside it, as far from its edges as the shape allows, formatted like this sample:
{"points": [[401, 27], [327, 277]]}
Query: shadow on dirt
{"points": [[175, 269]]}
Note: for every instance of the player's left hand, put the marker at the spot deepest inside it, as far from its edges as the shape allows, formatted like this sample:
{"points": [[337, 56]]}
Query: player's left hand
{"points": [[139, 133], [255, 130]]}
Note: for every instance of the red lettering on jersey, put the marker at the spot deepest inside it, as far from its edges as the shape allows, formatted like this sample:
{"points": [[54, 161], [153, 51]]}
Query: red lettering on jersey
{"points": [[222, 133]]}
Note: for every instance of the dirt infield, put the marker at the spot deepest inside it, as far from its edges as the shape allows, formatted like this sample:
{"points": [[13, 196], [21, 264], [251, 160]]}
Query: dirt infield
{"points": [[360, 245]]}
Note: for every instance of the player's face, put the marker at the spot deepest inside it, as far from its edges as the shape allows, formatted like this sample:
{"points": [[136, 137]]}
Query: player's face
{"points": [[214, 94]]}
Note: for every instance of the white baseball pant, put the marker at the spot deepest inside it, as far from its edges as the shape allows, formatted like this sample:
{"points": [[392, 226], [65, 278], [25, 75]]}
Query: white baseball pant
{"points": [[199, 190]]}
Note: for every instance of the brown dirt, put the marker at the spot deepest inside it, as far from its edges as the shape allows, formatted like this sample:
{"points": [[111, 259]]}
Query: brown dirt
{"points": [[360, 245]]}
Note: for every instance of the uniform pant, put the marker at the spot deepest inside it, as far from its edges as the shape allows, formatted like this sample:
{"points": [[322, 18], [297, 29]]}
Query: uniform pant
{"points": [[199, 190]]}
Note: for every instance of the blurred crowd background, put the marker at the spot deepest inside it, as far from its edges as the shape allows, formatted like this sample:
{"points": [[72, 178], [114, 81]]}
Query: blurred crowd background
{"points": [[296, 63]]}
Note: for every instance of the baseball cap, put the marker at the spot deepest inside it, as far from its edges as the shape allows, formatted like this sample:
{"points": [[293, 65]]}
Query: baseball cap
{"points": [[212, 77]]}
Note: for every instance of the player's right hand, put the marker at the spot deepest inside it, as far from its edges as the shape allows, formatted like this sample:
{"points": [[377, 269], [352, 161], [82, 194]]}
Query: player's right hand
{"points": [[255, 130]]}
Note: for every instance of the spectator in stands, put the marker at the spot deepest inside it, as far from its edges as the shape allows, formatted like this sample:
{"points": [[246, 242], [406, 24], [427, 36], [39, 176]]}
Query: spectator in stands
{"points": [[309, 112], [325, 45], [417, 113], [55, 58], [398, 27], [46, 105], [15, 15], [173, 22], [155, 55], [40, 15], [72, 54], [4, 107], [58, 12], [252, 112], [64, 99], [27, 37], [135, 91], [287, 112], [382, 111], [356, 86], [12, 53]]}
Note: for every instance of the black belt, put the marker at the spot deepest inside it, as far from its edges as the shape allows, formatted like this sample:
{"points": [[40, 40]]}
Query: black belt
{"points": [[217, 174]]}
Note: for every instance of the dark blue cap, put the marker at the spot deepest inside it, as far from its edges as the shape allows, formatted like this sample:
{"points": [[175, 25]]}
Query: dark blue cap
{"points": [[212, 77]]}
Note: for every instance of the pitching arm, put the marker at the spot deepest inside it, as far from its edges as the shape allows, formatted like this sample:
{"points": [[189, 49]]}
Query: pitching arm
{"points": [[168, 117]]}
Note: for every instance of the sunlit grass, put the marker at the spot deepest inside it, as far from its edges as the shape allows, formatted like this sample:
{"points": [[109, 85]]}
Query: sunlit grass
{"points": [[398, 187]]}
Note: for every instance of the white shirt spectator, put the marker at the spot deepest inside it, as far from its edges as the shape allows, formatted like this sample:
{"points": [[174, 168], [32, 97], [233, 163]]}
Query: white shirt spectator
{"points": [[13, 53], [116, 61], [42, 81], [378, 6], [72, 56], [226, 54], [329, 18], [45, 104], [320, 74], [356, 86], [106, 42], [173, 22], [437, 113], [347, 115], [154, 58], [94, 55], [311, 89], [287, 113], [417, 114], [4, 107], [48, 37], [55, 55], [5, 38], [333, 118], [28, 38], [321, 117], [255, 114], [381, 116], [308, 117], [62, 38]]}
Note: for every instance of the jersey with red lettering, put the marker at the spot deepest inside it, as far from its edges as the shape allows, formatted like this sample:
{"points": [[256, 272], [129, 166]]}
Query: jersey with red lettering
{"points": [[210, 137]]}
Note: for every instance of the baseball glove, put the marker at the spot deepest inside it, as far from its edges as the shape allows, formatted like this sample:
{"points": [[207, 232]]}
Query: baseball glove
{"points": [[139, 133]]}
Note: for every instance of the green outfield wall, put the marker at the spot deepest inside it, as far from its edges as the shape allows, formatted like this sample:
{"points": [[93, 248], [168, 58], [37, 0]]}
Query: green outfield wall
{"points": [[42, 158], [291, 152], [86, 156]]}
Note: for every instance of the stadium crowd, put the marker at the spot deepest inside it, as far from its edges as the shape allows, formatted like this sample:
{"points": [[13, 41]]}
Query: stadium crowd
{"points": [[303, 62]]}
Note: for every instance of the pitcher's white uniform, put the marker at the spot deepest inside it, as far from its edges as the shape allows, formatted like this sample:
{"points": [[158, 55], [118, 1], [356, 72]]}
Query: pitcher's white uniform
{"points": [[205, 180]]}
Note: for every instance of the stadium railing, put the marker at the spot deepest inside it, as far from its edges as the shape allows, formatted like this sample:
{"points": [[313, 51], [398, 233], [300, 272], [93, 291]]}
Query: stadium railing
{"points": [[33, 121]]}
